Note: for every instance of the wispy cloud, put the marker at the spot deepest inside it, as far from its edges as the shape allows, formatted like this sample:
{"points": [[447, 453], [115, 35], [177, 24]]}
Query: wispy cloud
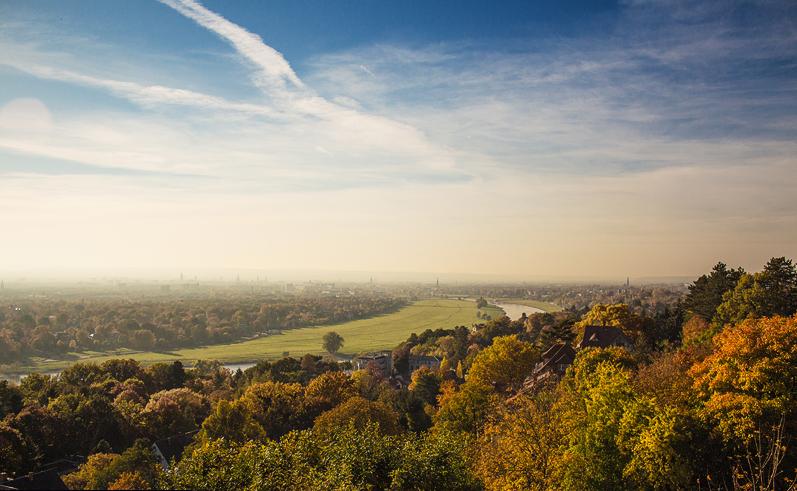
{"points": [[671, 131], [273, 72]]}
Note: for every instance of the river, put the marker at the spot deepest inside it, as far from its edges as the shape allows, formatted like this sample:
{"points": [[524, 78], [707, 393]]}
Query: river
{"points": [[514, 311]]}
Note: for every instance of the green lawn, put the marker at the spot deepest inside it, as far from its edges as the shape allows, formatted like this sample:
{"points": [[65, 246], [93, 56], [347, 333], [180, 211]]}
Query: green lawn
{"points": [[546, 306], [382, 332]]}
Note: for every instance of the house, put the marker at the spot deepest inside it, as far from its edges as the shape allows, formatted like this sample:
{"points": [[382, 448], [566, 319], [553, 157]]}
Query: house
{"points": [[48, 479], [554, 362], [382, 359], [170, 448], [604, 337], [558, 357], [48, 476], [418, 361]]}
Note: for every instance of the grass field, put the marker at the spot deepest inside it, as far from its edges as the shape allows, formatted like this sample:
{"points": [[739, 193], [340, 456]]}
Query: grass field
{"points": [[382, 332], [546, 306]]}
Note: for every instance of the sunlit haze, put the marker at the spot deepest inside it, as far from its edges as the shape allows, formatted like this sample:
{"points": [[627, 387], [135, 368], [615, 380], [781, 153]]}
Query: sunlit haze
{"points": [[525, 140]]}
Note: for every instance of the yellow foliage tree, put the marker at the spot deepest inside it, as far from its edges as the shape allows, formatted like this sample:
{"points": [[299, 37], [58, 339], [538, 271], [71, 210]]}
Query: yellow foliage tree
{"points": [[523, 448], [504, 364], [750, 377]]}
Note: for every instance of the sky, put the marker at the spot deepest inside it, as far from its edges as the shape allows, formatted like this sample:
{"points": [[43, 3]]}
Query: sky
{"points": [[515, 139]]}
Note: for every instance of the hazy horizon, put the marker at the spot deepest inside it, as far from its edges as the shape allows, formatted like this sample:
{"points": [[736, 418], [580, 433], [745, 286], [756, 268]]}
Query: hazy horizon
{"points": [[233, 275], [512, 141]]}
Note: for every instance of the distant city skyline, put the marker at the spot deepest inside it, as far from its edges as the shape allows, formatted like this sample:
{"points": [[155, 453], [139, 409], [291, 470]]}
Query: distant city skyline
{"points": [[519, 140]]}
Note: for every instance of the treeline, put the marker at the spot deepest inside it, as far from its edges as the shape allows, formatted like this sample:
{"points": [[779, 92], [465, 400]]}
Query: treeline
{"points": [[710, 403], [48, 327]]}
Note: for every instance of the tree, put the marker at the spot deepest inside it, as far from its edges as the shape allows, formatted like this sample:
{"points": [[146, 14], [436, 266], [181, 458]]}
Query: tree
{"points": [[695, 330], [278, 407], [435, 460], [15, 454], [174, 411], [504, 364], [328, 390], [136, 465], [164, 376], [751, 375], [464, 410], [747, 386], [779, 280], [143, 339], [130, 480], [10, 399], [232, 421], [772, 291], [219, 464], [426, 385], [523, 448], [358, 412], [706, 293], [332, 342]]}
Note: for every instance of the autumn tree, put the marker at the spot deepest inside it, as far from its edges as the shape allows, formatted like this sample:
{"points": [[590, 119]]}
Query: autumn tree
{"points": [[750, 378], [465, 409], [426, 385], [358, 412], [278, 407], [232, 421], [328, 390], [522, 448], [174, 411], [504, 364]]}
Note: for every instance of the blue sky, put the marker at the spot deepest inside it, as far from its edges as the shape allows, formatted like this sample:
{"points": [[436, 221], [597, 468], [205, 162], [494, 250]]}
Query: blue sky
{"points": [[597, 135]]}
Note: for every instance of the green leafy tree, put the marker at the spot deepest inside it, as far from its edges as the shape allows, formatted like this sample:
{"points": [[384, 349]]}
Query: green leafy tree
{"points": [[332, 342], [706, 293], [772, 291], [10, 399], [435, 460]]}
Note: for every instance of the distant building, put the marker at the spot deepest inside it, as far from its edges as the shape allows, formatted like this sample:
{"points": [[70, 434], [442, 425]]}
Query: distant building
{"points": [[604, 337], [381, 359], [418, 361]]}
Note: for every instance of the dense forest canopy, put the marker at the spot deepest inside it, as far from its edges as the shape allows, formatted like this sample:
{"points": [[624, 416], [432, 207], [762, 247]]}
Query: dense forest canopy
{"points": [[701, 393]]}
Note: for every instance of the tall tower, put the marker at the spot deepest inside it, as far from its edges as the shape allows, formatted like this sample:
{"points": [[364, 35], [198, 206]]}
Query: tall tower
{"points": [[627, 281]]}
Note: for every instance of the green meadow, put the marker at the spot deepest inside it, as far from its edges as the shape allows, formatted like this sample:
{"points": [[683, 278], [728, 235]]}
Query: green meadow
{"points": [[376, 333]]}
